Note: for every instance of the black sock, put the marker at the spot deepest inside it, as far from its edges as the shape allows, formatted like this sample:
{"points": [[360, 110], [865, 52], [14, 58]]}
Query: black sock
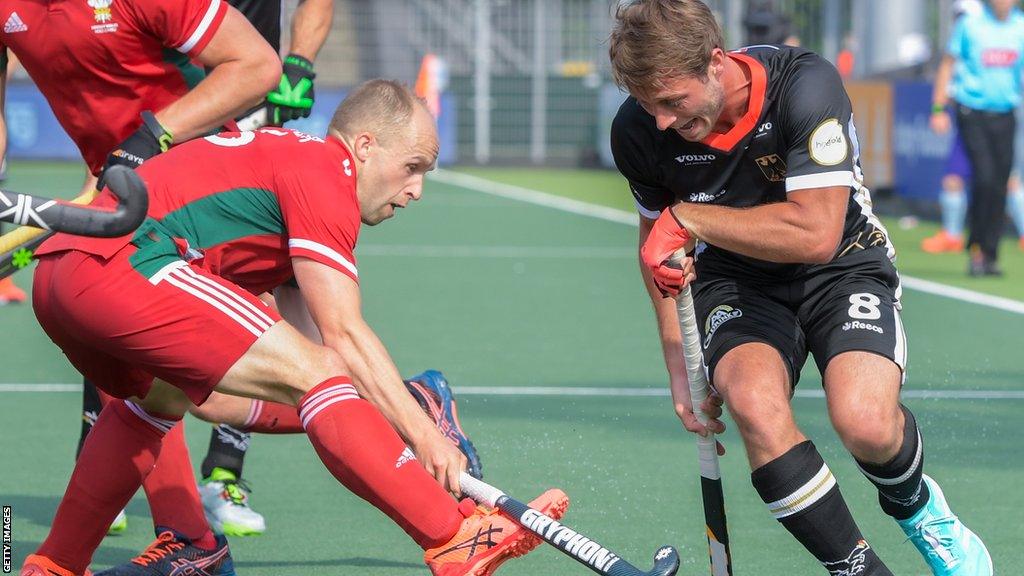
{"points": [[91, 407], [227, 450], [802, 494], [900, 489]]}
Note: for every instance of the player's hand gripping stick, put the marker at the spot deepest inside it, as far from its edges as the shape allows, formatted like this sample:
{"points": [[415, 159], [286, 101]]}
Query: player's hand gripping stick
{"points": [[570, 542], [710, 473]]}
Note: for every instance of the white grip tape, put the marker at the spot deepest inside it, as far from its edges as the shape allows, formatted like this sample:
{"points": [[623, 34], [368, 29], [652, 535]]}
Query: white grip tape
{"points": [[479, 490], [698, 379]]}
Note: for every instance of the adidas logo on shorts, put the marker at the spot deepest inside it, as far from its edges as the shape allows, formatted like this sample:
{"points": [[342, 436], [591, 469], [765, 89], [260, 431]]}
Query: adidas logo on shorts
{"points": [[14, 24]]}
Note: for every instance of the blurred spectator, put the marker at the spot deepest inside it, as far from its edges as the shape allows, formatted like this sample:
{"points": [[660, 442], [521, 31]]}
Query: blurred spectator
{"points": [[980, 75], [766, 26], [952, 197], [845, 57]]}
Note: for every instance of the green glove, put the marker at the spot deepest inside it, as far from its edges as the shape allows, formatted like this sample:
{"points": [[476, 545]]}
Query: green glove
{"points": [[293, 97]]}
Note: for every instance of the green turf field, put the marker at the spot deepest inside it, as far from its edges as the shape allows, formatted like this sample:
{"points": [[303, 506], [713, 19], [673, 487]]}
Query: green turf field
{"points": [[502, 293]]}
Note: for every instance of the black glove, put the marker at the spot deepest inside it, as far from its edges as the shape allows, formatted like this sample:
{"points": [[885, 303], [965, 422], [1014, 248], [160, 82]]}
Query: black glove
{"points": [[294, 96], [149, 140]]}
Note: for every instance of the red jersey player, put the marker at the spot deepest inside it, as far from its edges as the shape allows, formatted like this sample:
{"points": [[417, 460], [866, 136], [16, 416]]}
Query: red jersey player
{"points": [[102, 64], [181, 320]]}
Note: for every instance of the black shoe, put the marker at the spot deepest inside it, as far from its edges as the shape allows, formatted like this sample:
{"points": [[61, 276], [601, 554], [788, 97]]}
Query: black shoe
{"points": [[990, 268], [975, 267]]}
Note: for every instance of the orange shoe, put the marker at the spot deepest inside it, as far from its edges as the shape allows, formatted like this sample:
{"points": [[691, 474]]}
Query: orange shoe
{"points": [[36, 565], [942, 242], [1021, 243], [9, 292], [488, 538]]}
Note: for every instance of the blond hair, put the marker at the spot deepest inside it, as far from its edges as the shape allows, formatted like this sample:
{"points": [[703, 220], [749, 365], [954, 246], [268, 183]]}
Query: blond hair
{"points": [[381, 107], [657, 39]]}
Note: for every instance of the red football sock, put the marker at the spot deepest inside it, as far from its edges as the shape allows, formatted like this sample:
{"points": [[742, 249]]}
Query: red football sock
{"points": [[272, 418], [118, 454], [363, 451], [171, 490]]}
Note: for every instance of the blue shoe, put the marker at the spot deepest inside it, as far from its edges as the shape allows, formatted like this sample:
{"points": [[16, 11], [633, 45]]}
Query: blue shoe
{"points": [[949, 547], [171, 554], [431, 390]]}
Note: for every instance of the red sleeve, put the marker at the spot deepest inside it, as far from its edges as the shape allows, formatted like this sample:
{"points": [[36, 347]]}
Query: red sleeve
{"points": [[185, 25], [321, 214]]}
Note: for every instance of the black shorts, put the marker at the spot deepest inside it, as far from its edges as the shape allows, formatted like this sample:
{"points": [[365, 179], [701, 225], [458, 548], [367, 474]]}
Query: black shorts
{"points": [[851, 303], [265, 17]]}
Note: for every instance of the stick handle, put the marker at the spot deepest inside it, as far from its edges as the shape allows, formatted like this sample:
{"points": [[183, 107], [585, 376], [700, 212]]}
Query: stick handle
{"points": [[707, 450], [698, 379]]}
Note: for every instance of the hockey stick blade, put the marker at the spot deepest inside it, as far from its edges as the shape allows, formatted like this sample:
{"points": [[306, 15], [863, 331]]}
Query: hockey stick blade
{"points": [[581, 548], [61, 216]]}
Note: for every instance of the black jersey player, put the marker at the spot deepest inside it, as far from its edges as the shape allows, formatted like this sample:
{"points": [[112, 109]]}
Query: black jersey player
{"points": [[754, 154]]}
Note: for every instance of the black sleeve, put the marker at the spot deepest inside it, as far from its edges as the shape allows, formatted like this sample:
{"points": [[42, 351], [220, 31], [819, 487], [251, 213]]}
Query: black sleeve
{"points": [[817, 121], [634, 152]]}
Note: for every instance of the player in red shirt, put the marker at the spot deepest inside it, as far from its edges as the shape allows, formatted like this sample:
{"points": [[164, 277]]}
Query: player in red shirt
{"points": [[101, 65], [181, 319]]}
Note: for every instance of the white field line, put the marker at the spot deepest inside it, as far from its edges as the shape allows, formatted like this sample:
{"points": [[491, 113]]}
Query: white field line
{"points": [[597, 392], [462, 251], [623, 217]]}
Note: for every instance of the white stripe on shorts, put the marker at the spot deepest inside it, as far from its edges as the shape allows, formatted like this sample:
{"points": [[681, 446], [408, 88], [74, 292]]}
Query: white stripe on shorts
{"points": [[175, 279], [162, 426], [805, 496], [241, 304], [332, 395], [899, 355]]}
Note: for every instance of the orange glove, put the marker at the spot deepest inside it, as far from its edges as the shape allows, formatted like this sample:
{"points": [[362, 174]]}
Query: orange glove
{"points": [[666, 238]]}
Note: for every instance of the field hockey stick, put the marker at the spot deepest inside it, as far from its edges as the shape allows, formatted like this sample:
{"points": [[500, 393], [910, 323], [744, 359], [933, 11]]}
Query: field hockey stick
{"points": [[570, 542], [60, 216], [17, 248], [707, 450]]}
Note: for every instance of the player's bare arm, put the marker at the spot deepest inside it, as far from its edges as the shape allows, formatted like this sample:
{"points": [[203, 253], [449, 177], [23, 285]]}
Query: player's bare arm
{"points": [[672, 351], [244, 68], [335, 305], [940, 121], [310, 25], [805, 229]]}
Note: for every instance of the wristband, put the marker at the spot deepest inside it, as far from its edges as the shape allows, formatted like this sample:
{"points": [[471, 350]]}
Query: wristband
{"points": [[163, 137], [938, 108]]}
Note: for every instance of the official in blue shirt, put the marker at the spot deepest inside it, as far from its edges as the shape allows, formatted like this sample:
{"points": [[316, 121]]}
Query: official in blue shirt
{"points": [[980, 76]]}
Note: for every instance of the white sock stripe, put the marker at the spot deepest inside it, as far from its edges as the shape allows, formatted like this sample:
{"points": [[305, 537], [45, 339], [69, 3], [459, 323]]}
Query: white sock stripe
{"points": [[906, 475], [175, 281], [163, 426], [255, 409], [346, 388], [227, 296], [803, 497], [312, 403], [307, 418]]}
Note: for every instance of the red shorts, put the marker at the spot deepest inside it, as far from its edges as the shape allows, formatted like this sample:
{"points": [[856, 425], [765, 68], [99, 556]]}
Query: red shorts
{"points": [[119, 328]]}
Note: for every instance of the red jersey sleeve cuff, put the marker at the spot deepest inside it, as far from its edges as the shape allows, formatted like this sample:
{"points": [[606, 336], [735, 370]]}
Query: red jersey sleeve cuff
{"points": [[324, 255], [206, 28]]}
